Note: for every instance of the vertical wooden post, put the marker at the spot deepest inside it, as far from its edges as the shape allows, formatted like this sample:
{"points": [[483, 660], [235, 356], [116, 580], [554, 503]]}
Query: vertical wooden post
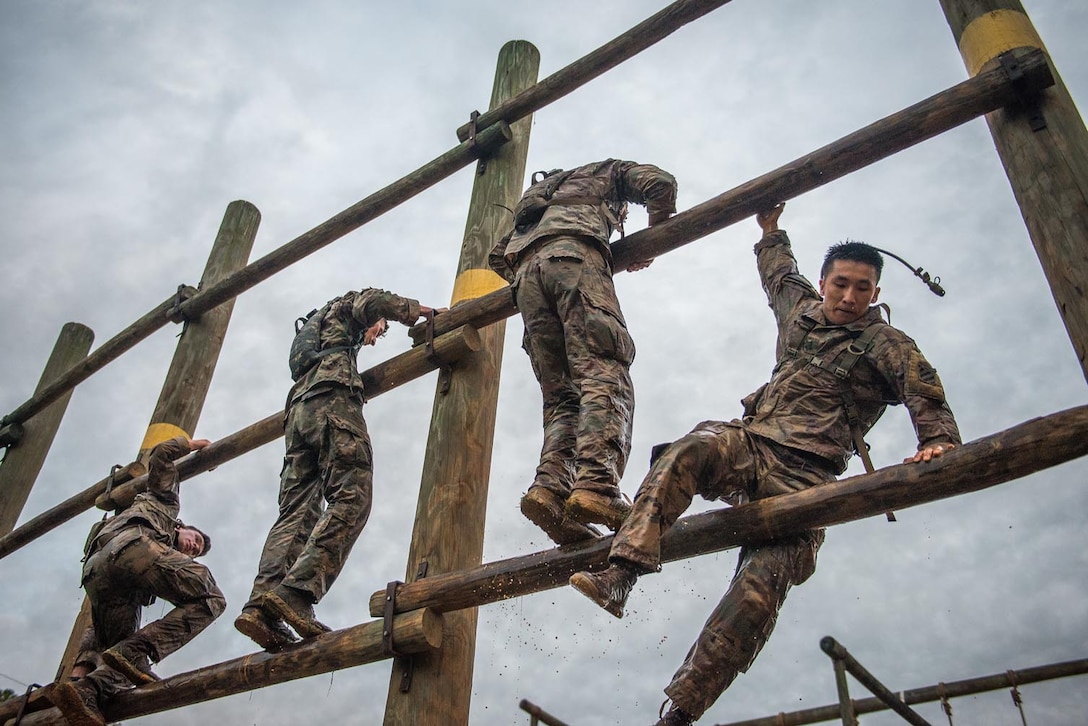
{"points": [[23, 461], [1047, 165], [450, 514], [190, 373]]}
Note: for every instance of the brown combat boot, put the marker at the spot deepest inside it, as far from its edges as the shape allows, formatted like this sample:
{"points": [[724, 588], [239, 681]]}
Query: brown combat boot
{"points": [[295, 608], [131, 661], [609, 588], [676, 716], [271, 634], [544, 508], [591, 507], [78, 701]]}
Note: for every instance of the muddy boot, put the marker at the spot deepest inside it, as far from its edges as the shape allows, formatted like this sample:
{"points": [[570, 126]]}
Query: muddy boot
{"points": [[296, 608], [130, 659], [544, 508], [608, 588], [676, 716], [591, 507], [271, 634], [78, 701]]}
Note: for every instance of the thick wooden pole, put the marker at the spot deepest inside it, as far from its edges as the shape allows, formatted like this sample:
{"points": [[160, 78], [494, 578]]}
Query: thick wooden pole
{"points": [[449, 525], [1024, 449], [377, 380], [1043, 146], [414, 632], [190, 374], [23, 461], [946, 110]]}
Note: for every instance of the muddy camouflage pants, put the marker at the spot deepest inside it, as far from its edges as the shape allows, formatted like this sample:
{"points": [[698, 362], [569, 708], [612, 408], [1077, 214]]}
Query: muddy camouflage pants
{"points": [[580, 351], [122, 577], [721, 460], [325, 495]]}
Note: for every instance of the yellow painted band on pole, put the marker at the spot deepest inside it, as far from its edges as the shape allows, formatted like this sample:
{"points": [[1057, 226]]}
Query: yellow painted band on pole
{"points": [[472, 284], [160, 432], [993, 33]]}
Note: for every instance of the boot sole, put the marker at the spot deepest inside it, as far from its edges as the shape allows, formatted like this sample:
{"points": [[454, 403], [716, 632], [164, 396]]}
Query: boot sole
{"points": [[125, 667], [252, 627], [590, 513], [559, 529], [75, 711], [584, 584], [304, 626]]}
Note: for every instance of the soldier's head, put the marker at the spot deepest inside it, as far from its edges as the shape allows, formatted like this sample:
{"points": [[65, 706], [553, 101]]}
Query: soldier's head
{"points": [[848, 281], [191, 541]]}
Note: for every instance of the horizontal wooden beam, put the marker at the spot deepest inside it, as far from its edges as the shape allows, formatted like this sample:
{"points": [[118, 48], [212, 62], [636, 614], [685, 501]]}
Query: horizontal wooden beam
{"points": [[1010, 454], [383, 377], [415, 632], [585, 69], [944, 111], [279, 259]]}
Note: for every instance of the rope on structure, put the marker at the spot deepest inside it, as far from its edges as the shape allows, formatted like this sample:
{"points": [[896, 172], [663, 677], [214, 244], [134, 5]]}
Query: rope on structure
{"points": [[1016, 699], [944, 702]]}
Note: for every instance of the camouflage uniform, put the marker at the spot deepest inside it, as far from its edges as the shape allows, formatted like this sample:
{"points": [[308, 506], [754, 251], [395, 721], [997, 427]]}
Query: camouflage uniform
{"points": [[560, 268], [132, 561], [328, 455], [795, 434]]}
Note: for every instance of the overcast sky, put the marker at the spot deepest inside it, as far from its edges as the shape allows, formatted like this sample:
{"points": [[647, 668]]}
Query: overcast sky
{"points": [[128, 127]]}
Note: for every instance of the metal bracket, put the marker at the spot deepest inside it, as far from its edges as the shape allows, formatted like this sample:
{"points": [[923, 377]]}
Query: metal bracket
{"points": [[1028, 98], [445, 371], [481, 167], [183, 293], [408, 662], [26, 699], [388, 648]]}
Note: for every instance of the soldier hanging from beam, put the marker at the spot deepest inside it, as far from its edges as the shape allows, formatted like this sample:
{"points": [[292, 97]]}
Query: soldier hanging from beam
{"points": [[839, 365]]}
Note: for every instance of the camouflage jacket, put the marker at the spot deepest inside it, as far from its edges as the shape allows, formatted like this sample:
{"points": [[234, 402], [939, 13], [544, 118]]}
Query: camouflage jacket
{"points": [[589, 203], [803, 405], [346, 319], [155, 511]]}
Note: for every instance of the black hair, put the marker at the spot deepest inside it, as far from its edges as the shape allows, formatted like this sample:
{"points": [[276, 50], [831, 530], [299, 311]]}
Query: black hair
{"points": [[855, 252]]}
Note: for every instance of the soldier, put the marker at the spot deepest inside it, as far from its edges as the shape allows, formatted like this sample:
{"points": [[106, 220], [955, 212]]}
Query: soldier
{"points": [[329, 460], [838, 366], [142, 553], [559, 264]]}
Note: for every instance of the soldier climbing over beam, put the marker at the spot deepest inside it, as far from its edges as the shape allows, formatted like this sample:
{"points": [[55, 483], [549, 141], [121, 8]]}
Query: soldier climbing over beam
{"points": [[142, 553], [327, 481], [839, 365], [559, 266]]}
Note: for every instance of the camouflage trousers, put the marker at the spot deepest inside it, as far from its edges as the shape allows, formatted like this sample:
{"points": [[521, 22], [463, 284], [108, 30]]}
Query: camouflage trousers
{"points": [[580, 351], [720, 460], [326, 489], [123, 576]]}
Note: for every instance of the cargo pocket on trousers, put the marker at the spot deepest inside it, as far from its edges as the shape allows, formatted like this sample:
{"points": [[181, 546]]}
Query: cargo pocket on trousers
{"points": [[606, 335], [349, 443]]}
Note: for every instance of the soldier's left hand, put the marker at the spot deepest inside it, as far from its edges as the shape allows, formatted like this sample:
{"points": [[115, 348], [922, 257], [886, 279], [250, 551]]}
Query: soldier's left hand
{"points": [[198, 444], [640, 265], [929, 453]]}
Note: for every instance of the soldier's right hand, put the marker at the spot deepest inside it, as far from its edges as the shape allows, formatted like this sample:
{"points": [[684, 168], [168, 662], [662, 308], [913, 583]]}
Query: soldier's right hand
{"points": [[198, 444]]}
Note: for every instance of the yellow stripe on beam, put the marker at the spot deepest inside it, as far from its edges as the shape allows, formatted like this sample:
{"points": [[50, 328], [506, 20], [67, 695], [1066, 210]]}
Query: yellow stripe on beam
{"points": [[160, 432], [990, 35], [472, 284]]}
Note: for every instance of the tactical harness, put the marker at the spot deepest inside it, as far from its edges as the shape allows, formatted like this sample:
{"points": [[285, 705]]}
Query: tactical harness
{"points": [[840, 366]]}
